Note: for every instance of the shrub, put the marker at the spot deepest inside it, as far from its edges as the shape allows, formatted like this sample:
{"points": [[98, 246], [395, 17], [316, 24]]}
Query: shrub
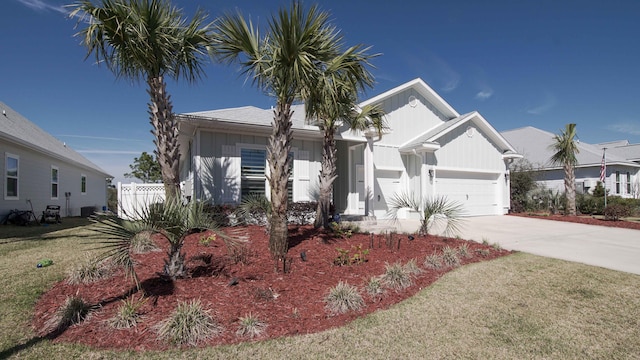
{"points": [[75, 310], [142, 243], [616, 211], [301, 213], [463, 251], [396, 277], [221, 214], [374, 287], [483, 252], [265, 294], [342, 298], [343, 229], [433, 261], [93, 269], [188, 324], [450, 256], [412, 268], [128, 313], [251, 326], [359, 256]]}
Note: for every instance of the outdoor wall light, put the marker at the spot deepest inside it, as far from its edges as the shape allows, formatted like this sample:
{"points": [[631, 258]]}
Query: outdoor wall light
{"points": [[430, 173]]}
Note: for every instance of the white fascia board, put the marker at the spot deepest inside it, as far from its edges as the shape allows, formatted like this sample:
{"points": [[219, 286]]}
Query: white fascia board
{"points": [[423, 147]]}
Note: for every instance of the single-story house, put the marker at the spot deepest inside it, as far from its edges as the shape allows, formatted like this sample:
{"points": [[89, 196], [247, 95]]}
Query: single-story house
{"points": [[38, 170], [430, 150], [622, 177]]}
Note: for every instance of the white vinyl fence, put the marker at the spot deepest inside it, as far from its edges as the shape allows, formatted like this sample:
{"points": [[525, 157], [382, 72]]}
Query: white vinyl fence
{"points": [[134, 199]]}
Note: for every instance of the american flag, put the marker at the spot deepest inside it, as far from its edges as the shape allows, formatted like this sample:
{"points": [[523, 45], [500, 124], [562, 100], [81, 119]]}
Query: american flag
{"points": [[603, 167]]}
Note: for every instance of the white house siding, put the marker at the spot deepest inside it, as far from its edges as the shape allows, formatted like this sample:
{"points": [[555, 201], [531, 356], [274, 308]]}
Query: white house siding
{"points": [[218, 162], [34, 184], [461, 151], [408, 121], [587, 178]]}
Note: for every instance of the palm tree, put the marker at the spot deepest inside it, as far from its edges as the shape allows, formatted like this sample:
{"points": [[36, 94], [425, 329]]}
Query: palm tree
{"points": [[283, 63], [565, 149], [148, 39], [332, 101]]}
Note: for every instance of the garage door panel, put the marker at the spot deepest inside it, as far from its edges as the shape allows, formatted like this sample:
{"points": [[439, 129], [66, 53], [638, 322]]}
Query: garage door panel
{"points": [[478, 196]]}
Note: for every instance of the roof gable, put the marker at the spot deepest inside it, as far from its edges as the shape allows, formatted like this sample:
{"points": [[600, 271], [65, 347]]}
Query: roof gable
{"points": [[19, 130]]}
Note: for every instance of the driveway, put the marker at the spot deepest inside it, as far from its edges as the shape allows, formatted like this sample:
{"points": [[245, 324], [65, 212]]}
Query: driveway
{"points": [[612, 248]]}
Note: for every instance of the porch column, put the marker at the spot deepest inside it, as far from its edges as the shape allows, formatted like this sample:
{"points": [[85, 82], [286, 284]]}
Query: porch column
{"points": [[369, 178]]}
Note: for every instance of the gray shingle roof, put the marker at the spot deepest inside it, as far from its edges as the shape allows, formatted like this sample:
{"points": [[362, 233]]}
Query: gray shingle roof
{"points": [[534, 144], [252, 115], [18, 129], [628, 151]]}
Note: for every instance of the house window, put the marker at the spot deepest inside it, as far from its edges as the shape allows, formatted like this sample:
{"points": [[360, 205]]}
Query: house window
{"points": [[617, 182], [83, 184], [628, 183], [54, 182], [252, 173], [11, 176]]}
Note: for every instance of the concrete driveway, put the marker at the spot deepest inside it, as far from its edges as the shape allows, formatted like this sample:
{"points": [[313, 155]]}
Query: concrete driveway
{"points": [[612, 248]]}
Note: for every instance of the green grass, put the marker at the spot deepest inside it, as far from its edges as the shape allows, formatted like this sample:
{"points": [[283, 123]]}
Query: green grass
{"points": [[516, 307]]}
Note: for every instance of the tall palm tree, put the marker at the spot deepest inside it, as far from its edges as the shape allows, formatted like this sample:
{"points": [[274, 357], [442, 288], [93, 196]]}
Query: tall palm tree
{"points": [[283, 63], [150, 40], [332, 101], [565, 149]]}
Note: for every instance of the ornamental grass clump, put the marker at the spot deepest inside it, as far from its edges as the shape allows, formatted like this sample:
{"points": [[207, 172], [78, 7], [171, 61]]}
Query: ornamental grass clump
{"points": [[463, 251], [91, 270], [433, 261], [143, 243], [189, 324], [75, 310], [251, 326], [342, 298], [374, 287], [412, 268], [450, 257], [128, 313], [396, 277]]}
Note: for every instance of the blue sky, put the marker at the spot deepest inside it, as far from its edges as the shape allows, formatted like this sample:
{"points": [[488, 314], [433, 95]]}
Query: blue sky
{"points": [[519, 63]]}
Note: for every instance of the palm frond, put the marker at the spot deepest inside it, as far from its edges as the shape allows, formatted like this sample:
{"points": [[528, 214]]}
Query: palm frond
{"points": [[434, 211]]}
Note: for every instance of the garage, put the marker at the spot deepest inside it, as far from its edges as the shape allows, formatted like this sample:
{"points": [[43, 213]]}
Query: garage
{"points": [[478, 193]]}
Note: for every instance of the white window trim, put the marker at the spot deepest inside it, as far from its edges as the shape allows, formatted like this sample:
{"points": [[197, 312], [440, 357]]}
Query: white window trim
{"points": [[267, 171], [6, 158], [57, 182], [83, 176]]}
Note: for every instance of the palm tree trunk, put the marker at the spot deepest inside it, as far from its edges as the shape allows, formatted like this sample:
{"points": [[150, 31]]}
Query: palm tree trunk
{"points": [[165, 131], [326, 178], [570, 189], [280, 169]]}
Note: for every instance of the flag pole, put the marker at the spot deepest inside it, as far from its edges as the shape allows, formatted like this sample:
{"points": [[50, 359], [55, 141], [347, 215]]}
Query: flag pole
{"points": [[604, 171]]}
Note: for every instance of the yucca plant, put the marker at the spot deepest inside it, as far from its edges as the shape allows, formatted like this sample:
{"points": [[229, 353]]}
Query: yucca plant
{"points": [[436, 211], [374, 287], [433, 261], [128, 313], [189, 324], [91, 270], [342, 298], [396, 277], [450, 256], [75, 310]]}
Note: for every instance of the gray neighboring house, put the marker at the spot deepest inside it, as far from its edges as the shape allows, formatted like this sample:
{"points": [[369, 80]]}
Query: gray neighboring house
{"points": [[622, 170], [430, 150], [39, 170]]}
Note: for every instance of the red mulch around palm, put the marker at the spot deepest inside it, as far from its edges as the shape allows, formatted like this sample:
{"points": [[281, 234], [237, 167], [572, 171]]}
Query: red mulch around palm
{"points": [[297, 308], [584, 219]]}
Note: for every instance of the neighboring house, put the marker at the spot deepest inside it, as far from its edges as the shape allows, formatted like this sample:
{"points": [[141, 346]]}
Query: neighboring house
{"points": [[622, 162], [430, 150], [38, 170]]}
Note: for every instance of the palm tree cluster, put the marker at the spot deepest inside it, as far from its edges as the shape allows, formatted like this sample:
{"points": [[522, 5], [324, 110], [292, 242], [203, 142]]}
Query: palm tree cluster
{"points": [[565, 149], [300, 57]]}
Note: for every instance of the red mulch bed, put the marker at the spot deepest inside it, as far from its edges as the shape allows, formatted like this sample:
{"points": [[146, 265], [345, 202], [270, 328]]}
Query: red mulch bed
{"points": [[298, 309], [584, 219]]}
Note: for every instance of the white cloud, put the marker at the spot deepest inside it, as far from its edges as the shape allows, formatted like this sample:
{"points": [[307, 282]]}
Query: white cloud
{"points": [[627, 127], [41, 5], [547, 104], [484, 94]]}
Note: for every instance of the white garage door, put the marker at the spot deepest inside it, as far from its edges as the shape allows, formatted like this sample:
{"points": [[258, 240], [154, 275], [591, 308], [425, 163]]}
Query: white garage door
{"points": [[387, 185], [477, 193]]}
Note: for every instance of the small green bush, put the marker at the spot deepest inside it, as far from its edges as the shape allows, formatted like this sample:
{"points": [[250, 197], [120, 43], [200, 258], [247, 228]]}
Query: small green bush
{"points": [[342, 298], [450, 256], [396, 277], [188, 324], [128, 313], [251, 326], [616, 211]]}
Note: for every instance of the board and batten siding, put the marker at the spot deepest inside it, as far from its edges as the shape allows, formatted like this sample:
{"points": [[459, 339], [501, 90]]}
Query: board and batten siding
{"points": [[34, 183], [218, 165], [463, 148]]}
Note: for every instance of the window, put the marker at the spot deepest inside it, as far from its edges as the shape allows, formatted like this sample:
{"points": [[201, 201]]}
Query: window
{"points": [[83, 184], [617, 182], [253, 170], [54, 182], [628, 183], [11, 176]]}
